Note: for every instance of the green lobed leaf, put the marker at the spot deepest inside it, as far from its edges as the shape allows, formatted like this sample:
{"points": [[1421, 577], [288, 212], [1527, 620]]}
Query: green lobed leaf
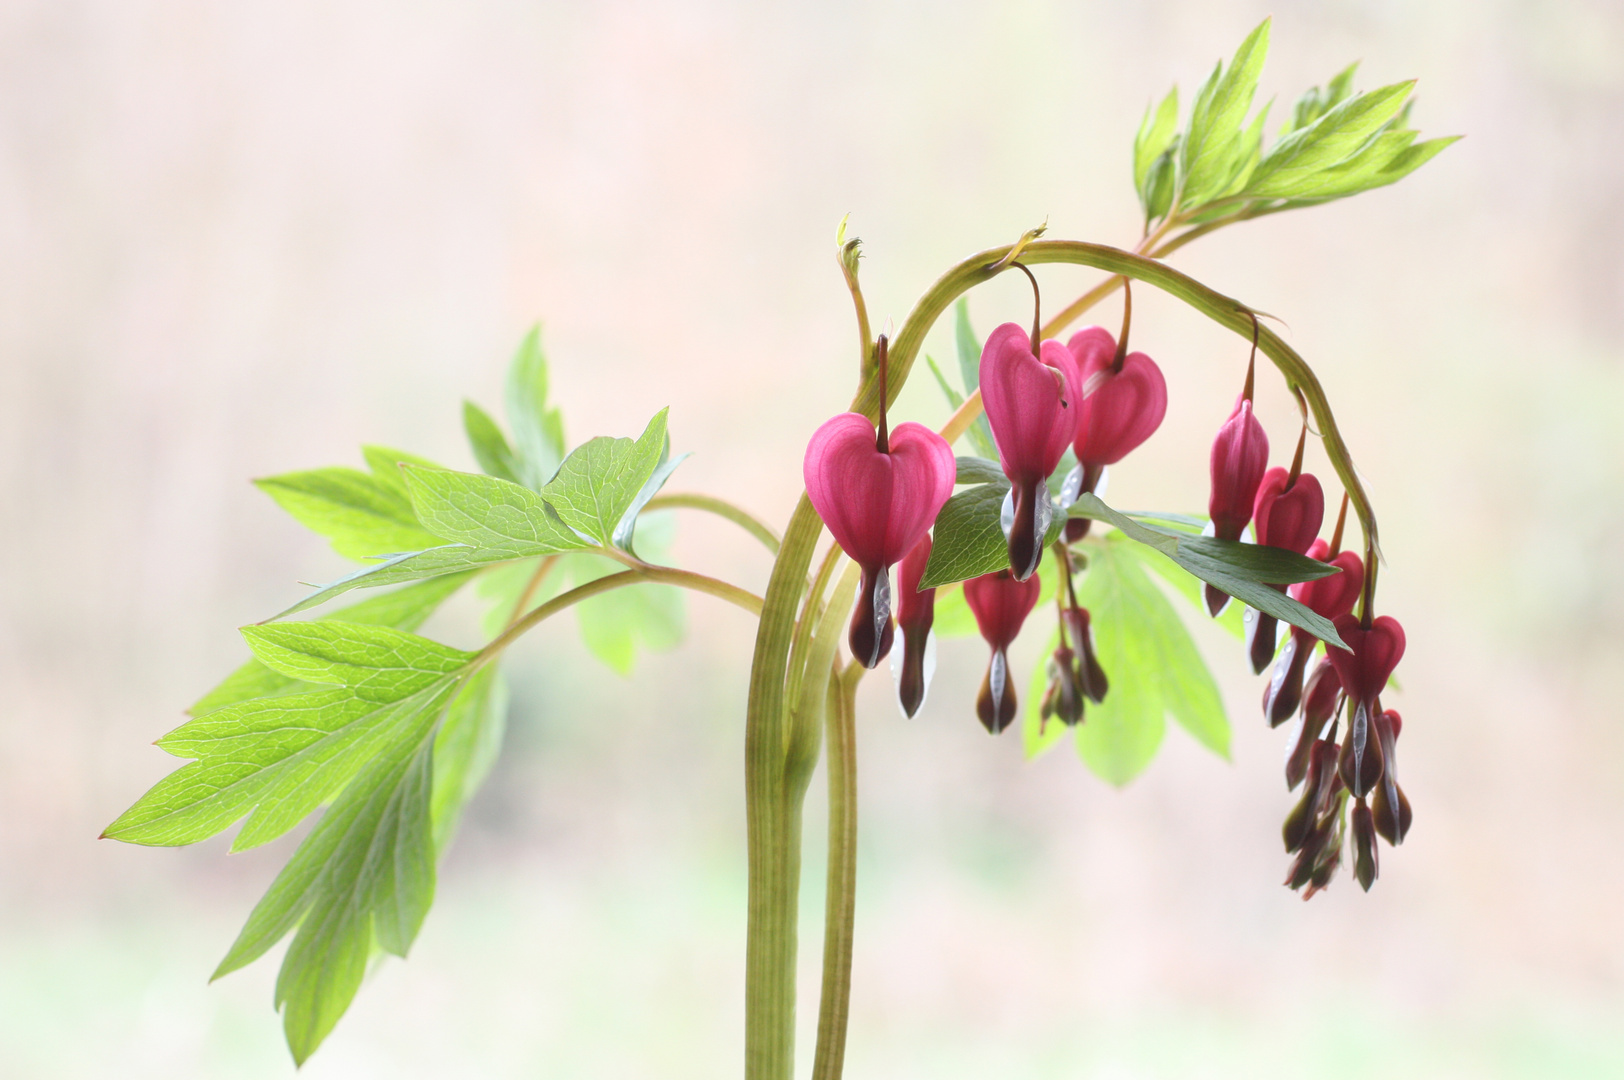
{"points": [[493, 516], [1210, 146], [1392, 156], [1232, 618], [1241, 570], [967, 541], [411, 566], [466, 746], [360, 514], [1157, 131], [598, 482], [625, 529], [538, 431], [489, 445], [1291, 165], [980, 470], [377, 662], [1120, 735], [404, 609], [385, 464]]}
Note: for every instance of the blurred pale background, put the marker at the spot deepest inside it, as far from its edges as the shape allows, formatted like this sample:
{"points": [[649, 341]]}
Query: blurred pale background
{"points": [[241, 239]]}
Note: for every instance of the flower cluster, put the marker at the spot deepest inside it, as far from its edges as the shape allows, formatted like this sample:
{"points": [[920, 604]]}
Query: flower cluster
{"points": [[880, 491]]}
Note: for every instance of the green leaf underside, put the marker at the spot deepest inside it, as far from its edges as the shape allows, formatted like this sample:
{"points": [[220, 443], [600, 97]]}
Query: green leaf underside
{"points": [[405, 608], [1156, 133], [626, 528], [492, 516], [614, 625], [1241, 570], [489, 445], [598, 482], [357, 512], [378, 662], [1187, 585], [466, 746], [979, 470]]}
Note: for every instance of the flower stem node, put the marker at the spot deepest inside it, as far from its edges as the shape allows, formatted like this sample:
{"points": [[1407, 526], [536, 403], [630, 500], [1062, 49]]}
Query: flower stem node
{"points": [[1000, 603]]}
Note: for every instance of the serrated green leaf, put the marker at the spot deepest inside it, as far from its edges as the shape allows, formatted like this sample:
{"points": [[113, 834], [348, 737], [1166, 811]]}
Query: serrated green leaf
{"points": [[1160, 184], [1249, 151], [1338, 89], [1343, 181], [968, 347], [490, 515], [651, 616], [538, 431], [411, 566], [404, 609], [1241, 570], [1120, 735], [1209, 149], [358, 513], [598, 481], [1156, 133], [377, 662], [489, 445], [968, 539], [1292, 164], [279, 757], [466, 746], [385, 464]]}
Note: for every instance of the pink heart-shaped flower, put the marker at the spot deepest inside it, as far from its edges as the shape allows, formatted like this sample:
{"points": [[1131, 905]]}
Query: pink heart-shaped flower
{"points": [[1120, 409], [1001, 605], [1240, 453], [1031, 404], [1375, 653], [1332, 596], [877, 505], [1288, 517]]}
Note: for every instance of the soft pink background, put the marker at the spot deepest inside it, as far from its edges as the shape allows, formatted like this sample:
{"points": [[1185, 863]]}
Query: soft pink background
{"points": [[241, 239]]}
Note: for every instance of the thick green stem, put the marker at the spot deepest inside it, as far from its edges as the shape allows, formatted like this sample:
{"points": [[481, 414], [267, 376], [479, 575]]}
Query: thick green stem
{"points": [[840, 898]]}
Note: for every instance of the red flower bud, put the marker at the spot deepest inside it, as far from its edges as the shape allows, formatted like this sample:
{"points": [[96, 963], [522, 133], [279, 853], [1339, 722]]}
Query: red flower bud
{"points": [[916, 610], [1031, 404], [1320, 700], [1240, 453], [877, 504], [1090, 676], [1000, 604], [1064, 695], [1360, 762], [1121, 408], [1285, 688]]}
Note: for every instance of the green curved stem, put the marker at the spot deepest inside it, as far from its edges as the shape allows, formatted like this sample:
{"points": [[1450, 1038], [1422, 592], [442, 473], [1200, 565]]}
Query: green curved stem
{"points": [[721, 508], [834, 1009]]}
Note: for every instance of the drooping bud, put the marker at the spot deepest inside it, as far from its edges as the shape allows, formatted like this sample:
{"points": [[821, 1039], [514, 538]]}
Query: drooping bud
{"points": [[1332, 596], [1063, 696], [1360, 761], [1364, 846], [1320, 702], [1031, 404], [1240, 454], [877, 503], [1285, 688], [1391, 806], [1122, 405], [916, 610], [1000, 604], [1091, 677]]}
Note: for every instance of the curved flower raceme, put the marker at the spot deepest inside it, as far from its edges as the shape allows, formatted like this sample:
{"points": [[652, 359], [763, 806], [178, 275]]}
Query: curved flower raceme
{"points": [[1000, 604], [877, 503], [1121, 406], [916, 610], [1031, 403], [1287, 513]]}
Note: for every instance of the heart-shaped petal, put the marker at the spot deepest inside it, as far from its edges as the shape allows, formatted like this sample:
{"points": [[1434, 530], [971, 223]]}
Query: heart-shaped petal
{"points": [[1288, 517], [1240, 453], [1001, 604], [1120, 409], [877, 505], [1332, 596], [1375, 653], [1031, 404]]}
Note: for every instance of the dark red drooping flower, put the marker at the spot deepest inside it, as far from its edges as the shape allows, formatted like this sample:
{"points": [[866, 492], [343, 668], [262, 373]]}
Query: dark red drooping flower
{"points": [[1075, 675], [1000, 604], [1332, 597], [916, 610], [1031, 404], [877, 501], [1240, 454], [1391, 808], [1321, 698], [1286, 513]]}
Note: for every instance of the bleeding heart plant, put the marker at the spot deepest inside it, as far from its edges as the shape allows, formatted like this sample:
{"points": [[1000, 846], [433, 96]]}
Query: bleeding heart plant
{"points": [[394, 732]]}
